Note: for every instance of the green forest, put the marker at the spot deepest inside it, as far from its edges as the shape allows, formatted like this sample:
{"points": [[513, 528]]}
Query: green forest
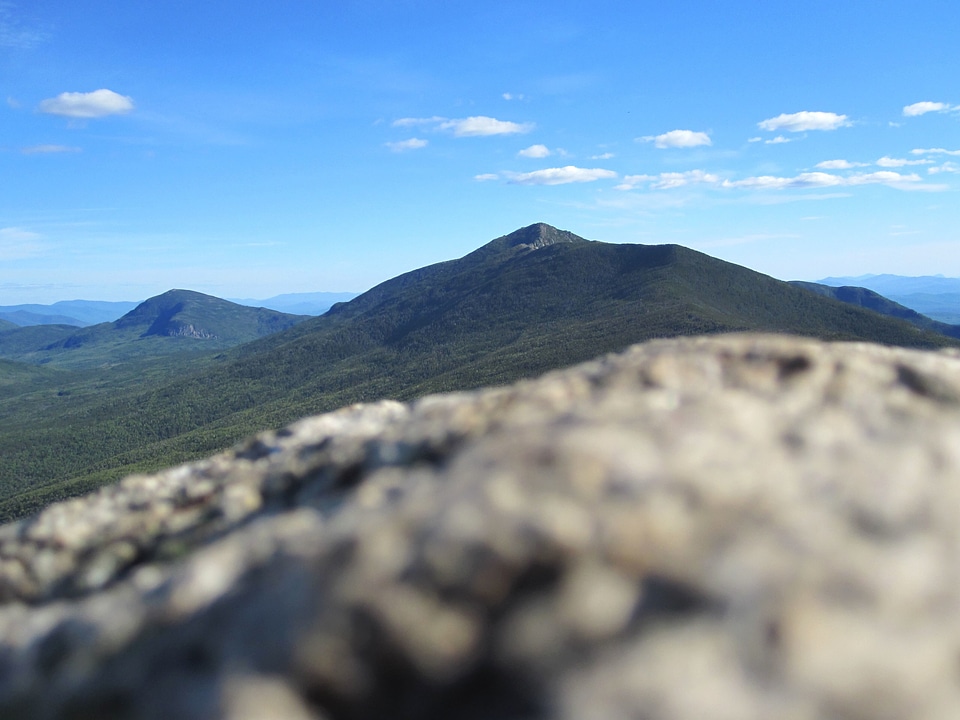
{"points": [[524, 304]]}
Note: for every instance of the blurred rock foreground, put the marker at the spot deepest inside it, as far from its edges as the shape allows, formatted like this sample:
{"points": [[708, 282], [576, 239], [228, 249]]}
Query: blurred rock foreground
{"points": [[725, 528]]}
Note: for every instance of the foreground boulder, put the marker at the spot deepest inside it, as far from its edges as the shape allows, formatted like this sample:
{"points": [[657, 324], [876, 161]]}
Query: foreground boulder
{"points": [[739, 527]]}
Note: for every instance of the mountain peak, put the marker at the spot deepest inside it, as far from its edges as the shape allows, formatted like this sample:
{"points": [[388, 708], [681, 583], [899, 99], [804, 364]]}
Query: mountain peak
{"points": [[187, 313], [527, 239], [539, 235]]}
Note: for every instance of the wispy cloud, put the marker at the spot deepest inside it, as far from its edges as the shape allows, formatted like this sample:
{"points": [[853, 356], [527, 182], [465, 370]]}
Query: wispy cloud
{"points": [[512, 96], [412, 122], [481, 125], [804, 121], [669, 180], [17, 243], [840, 165], [552, 176], [98, 103], [778, 140], [404, 145], [823, 180], [934, 151], [46, 149], [602, 156], [901, 230], [13, 34], [475, 126], [678, 139], [947, 167], [535, 151], [922, 108], [486, 177], [889, 162]]}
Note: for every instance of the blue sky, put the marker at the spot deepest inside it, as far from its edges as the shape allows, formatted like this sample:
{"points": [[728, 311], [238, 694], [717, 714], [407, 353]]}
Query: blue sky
{"points": [[247, 149]]}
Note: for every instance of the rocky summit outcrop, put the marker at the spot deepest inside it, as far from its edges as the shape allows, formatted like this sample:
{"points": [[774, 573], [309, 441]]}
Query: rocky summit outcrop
{"points": [[724, 528]]}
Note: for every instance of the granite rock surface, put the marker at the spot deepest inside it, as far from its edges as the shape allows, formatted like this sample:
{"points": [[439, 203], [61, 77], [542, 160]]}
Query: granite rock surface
{"points": [[725, 528]]}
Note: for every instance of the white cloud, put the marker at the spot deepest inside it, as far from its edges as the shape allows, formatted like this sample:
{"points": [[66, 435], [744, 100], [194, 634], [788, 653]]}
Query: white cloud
{"points": [[478, 125], [678, 139], [840, 165], [486, 177], [560, 176], [411, 121], [822, 180], [669, 180], [803, 121], [679, 179], [98, 103], [922, 108], [631, 181], [934, 151], [535, 151], [602, 156], [890, 162], [778, 140], [512, 96], [768, 182], [481, 125], [947, 167], [883, 177], [404, 145]]}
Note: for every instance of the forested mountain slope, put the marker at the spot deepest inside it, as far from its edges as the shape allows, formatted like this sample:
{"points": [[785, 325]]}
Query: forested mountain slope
{"points": [[536, 299], [178, 321]]}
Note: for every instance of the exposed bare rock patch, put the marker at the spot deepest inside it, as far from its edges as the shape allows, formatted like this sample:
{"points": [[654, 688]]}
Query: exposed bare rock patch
{"points": [[740, 527]]}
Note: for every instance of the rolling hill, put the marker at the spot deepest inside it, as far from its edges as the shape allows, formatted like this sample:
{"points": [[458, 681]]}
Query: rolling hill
{"points": [[79, 313], [25, 318], [536, 299], [935, 296], [176, 322], [864, 297]]}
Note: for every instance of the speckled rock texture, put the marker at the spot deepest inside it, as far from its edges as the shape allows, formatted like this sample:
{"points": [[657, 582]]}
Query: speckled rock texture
{"points": [[724, 528]]}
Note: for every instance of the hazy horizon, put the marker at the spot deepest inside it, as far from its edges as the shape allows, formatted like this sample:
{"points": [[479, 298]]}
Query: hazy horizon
{"points": [[251, 150], [248, 300]]}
